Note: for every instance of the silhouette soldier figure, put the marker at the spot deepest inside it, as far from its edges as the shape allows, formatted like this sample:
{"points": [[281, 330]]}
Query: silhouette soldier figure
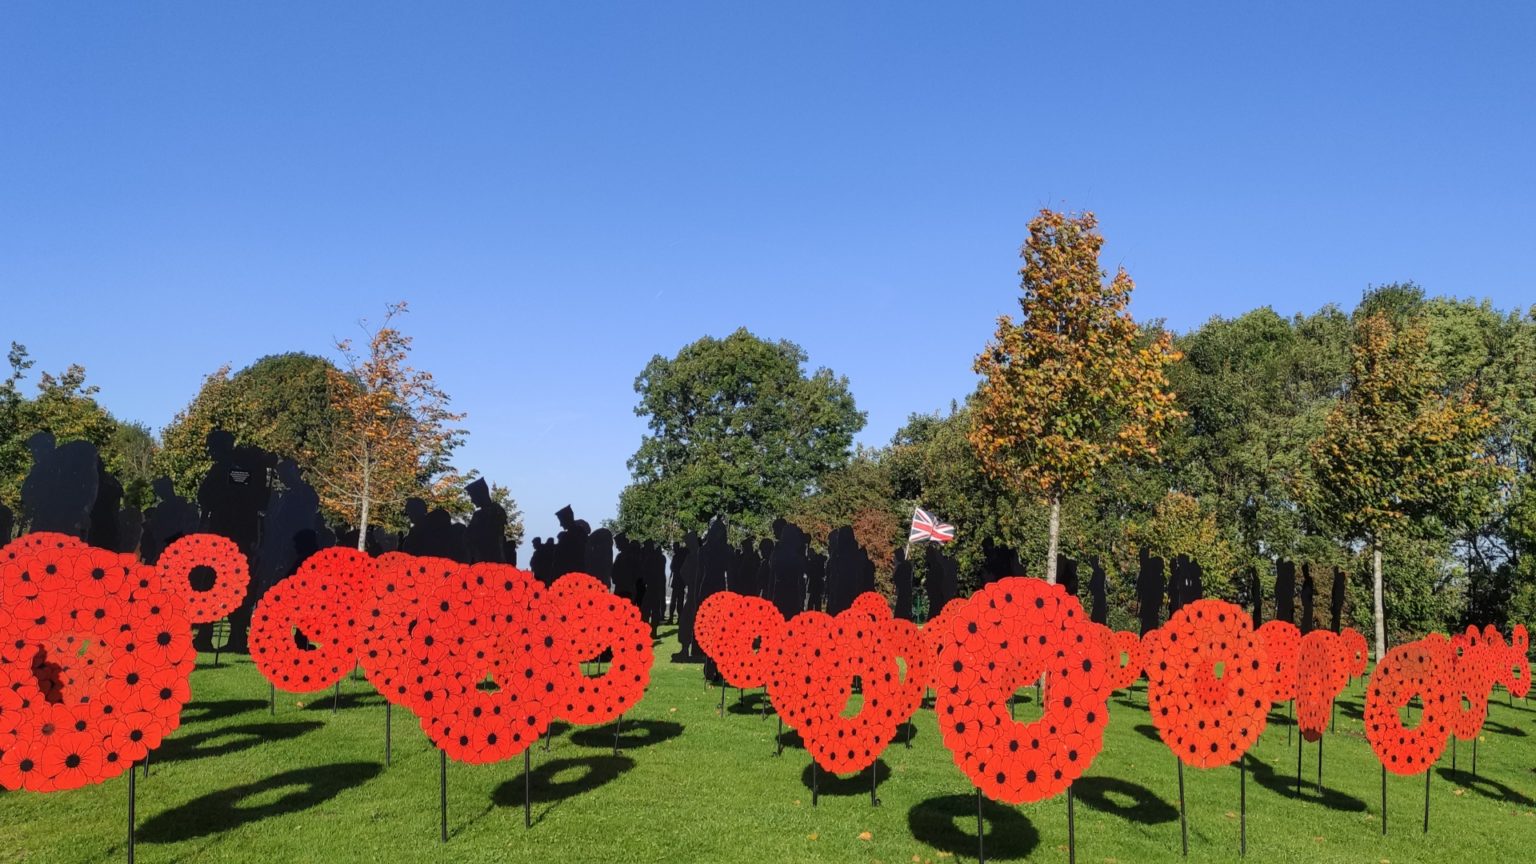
{"points": [[788, 568], [1336, 600], [1285, 591], [170, 518], [1098, 589], [60, 489], [485, 538], [1149, 590]]}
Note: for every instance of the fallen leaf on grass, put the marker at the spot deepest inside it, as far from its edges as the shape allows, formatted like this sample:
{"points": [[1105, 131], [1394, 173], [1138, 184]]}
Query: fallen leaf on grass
{"points": [[866, 836], [812, 836]]}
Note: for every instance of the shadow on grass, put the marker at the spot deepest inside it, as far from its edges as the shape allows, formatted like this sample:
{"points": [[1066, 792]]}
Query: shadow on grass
{"points": [[231, 739], [1501, 729], [223, 810], [634, 733], [829, 784], [1485, 787], [948, 823], [557, 780], [203, 712], [754, 702], [1129, 801], [906, 733], [361, 696], [1285, 784], [789, 739], [1148, 731]]}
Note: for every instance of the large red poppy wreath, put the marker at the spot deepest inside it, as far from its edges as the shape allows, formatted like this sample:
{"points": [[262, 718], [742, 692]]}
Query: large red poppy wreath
{"points": [[390, 610], [1475, 661], [1515, 671], [1356, 650], [1208, 683], [495, 664], [1004, 637], [594, 621], [1424, 669], [740, 634], [304, 632], [95, 656], [1282, 648], [179, 565], [813, 674]]}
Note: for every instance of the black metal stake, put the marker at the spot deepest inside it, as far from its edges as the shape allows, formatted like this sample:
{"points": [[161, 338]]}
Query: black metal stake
{"points": [[874, 784], [442, 779], [1426, 800], [1383, 800], [1183, 823], [1071, 831], [1242, 804], [336, 700], [981, 850], [780, 738], [1288, 716], [388, 725], [1319, 766], [272, 705], [1453, 752], [908, 732], [146, 763], [1300, 746], [617, 725], [132, 795], [1474, 758], [815, 780], [528, 788]]}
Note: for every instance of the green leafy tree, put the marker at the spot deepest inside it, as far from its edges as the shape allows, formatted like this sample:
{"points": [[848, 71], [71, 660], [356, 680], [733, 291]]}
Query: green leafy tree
{"points": [[1398, 454], [736, 428], [1072, 387]]}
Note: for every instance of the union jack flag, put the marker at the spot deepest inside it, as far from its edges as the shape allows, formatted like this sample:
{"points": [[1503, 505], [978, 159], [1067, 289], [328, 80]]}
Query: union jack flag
{"points": [[926, 529]]}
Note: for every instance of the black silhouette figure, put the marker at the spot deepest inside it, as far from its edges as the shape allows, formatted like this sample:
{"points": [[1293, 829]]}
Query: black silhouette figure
{"points": [[542, 561], [706, 577], [1176, 583], [130, 530], [1149, 591], [571, 543], [744, 571], [625, 572], [942, 579], [104, 510], [685, 573], [653, 572], [815, 579], [431, 533], [1098, 589], [600, 555], [901, 575], [290, 533], [7, 524], [485, 538], [787, 564], [1193, 586], [1336, 600], [765, 568], [59, 491], [1285, 591], [845, 569], [1257, 598], [1000, 562], [171, 518], [380, 541], [1308, 597], [235, 490], [1066, 574]]}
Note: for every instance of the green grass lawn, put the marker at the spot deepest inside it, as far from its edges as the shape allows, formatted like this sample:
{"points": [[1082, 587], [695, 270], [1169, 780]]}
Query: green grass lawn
{"points": [[236, 784]]}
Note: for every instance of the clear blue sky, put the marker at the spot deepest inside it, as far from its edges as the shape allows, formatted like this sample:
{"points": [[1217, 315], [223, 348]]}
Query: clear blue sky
{"points": [[562, 190]]}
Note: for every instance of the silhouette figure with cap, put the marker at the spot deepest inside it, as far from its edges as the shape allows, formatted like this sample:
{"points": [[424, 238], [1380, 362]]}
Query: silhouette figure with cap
{"points": [[59, 491], [486, 536]]}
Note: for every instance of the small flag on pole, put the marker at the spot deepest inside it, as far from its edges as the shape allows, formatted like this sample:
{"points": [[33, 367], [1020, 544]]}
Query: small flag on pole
{"points": [[926, 529]]}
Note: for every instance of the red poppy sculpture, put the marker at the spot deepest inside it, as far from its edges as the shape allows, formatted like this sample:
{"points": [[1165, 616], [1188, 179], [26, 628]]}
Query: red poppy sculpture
{"points": [[1515, 670], [1124, 651], [1322, 671], [1282, 648], [390, 608], [1006, 636], [814, 668], [1357, 650], [1474, 666], [495, 664], [594, 621], [1208, 683], [748, 630], [95, 659], [1423, 669], [182, 562], [305, 629]]}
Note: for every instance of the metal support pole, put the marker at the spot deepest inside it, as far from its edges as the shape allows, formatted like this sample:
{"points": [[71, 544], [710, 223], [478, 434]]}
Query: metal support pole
{"points": [[1183, 823]]}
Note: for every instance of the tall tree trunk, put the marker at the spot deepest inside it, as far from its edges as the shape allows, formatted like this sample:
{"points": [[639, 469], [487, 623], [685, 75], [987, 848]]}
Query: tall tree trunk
{"points": [[1381, 613], [1050, 555], [362, 526]]}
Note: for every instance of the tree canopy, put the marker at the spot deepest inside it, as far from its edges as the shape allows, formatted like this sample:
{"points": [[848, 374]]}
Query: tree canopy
{"points": [[737, 428]]}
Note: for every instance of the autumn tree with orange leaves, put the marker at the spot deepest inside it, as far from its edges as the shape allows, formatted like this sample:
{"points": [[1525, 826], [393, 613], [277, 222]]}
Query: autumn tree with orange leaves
{"points": [[394, 431], [1073, 385]]}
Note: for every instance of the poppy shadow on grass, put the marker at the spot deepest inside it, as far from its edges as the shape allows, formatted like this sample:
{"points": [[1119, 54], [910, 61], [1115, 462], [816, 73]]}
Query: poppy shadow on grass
{"points": [[754, 702], [634, 733], [223, 810], [831, 784], [1501, 729], [948, 823], [361, 696], [1130, 801], [231, 739], [557, 780], [789, 739], [1485, 787], [203, 712], [1149, 732], [1285, 784]]}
